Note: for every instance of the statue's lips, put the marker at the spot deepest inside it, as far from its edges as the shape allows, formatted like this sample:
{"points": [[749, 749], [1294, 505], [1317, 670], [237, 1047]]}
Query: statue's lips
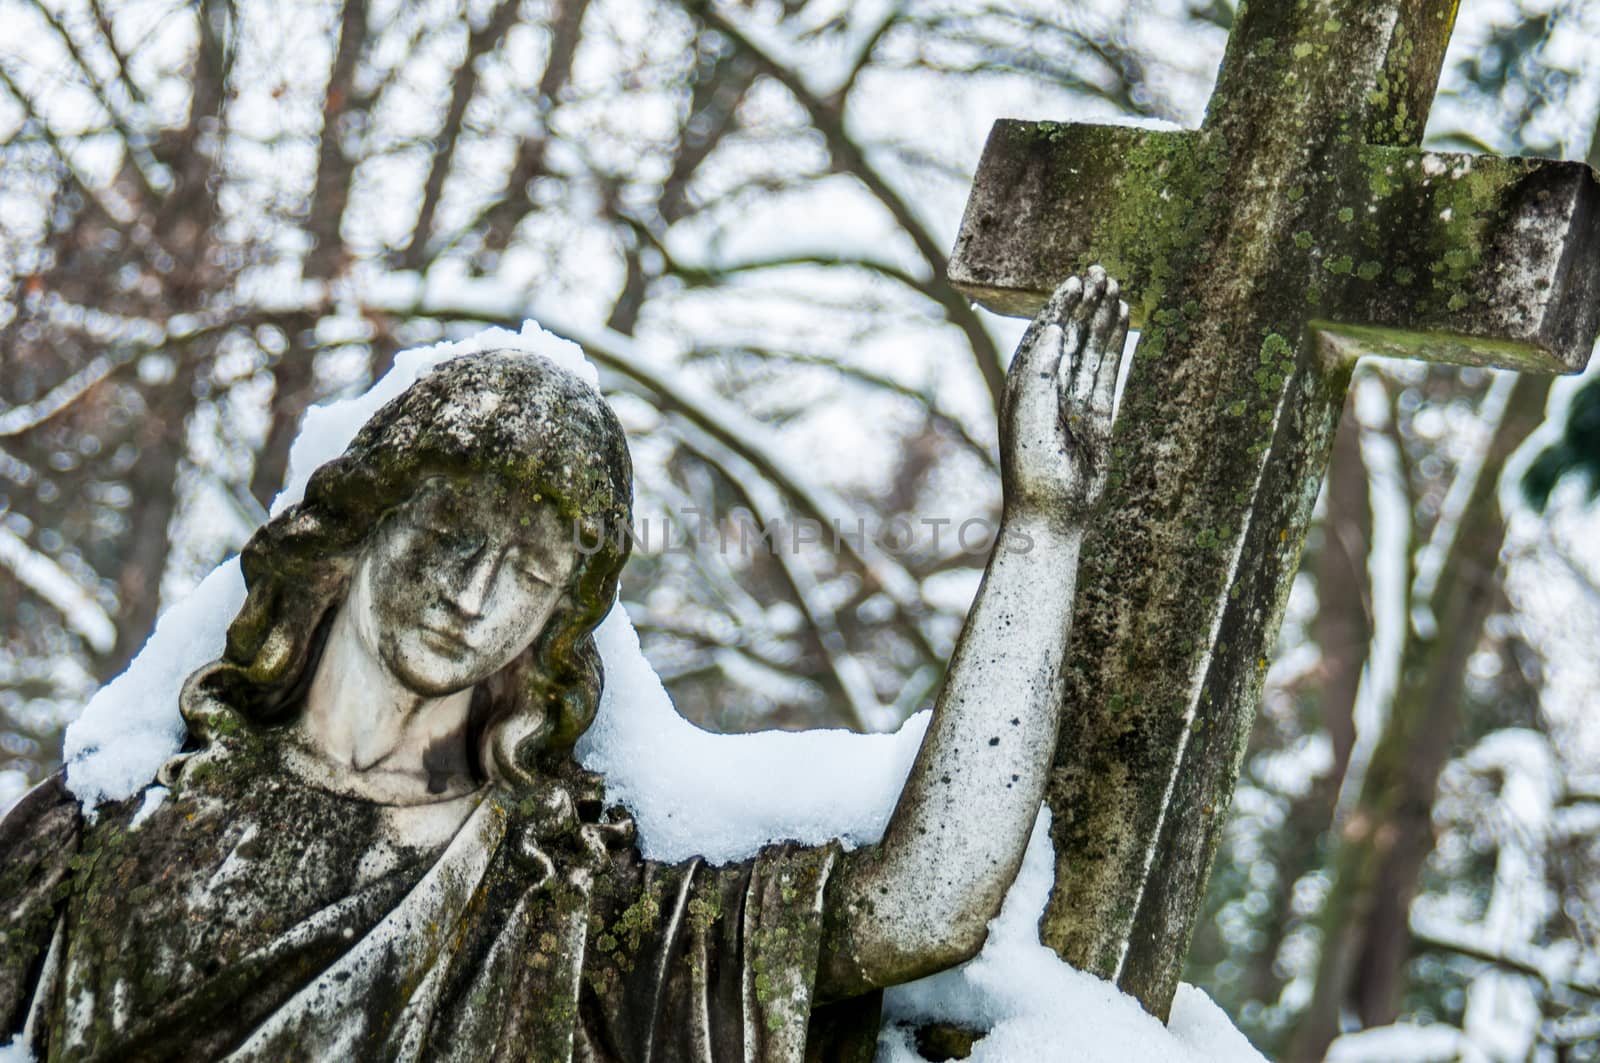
{"points": [[447, 639]]}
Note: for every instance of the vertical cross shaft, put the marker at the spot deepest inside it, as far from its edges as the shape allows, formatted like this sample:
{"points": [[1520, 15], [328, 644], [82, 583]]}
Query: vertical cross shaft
{"points": [[1377, 77]]}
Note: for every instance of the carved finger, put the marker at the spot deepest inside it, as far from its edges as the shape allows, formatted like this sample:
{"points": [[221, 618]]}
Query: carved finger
{"points": [[1097, 276], [1057, 310], [1098, 345], [1030, 387], [1105, 382], [1072, 398], [1064, 300], [1094, 290]]}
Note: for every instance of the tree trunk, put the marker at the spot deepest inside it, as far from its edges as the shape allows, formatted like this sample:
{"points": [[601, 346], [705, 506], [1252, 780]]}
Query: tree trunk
{"points": [[1388, 835]]}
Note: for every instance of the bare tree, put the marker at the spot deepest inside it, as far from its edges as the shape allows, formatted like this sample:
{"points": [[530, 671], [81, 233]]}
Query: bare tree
{"points": [[219, 214]]}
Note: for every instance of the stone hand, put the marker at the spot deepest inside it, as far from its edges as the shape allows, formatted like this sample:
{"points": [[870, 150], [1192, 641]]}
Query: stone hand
{"points": [[1056, 426], [921, 900]]}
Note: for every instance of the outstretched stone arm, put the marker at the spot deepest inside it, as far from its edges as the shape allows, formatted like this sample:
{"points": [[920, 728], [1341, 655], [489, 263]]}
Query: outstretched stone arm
{"points": [[921, 900]]}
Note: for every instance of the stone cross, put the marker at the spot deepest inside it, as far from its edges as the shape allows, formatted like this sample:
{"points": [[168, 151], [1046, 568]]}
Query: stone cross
{"points": [[1299, 227]]}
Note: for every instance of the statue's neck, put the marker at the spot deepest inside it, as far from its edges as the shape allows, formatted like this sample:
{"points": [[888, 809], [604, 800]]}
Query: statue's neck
{"points": [[375, 736]]}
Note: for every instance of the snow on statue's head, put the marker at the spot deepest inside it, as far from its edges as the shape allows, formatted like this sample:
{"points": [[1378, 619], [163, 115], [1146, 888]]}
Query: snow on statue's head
{"points": [[547, 443]]}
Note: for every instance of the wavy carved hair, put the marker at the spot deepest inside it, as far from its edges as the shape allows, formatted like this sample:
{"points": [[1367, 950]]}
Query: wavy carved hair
{"points": [[519, 417]]}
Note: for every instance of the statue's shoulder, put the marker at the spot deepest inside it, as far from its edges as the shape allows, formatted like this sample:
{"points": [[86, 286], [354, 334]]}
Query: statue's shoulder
{"points": [[39, 840], [48, 811]]}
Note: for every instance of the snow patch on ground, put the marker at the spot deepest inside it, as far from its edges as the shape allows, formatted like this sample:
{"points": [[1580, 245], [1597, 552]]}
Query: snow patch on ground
{"points": [[691, 791]]}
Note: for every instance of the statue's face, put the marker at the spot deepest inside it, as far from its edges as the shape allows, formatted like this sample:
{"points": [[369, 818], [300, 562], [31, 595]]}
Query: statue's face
{"points": [[458, 581]]}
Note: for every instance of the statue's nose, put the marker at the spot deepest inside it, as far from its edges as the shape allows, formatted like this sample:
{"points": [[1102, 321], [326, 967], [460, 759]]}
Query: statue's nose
{"points": [[476, 577]]}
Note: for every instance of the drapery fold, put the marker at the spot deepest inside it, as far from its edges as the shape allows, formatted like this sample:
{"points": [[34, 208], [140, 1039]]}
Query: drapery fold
{"points": [[252, 916]]}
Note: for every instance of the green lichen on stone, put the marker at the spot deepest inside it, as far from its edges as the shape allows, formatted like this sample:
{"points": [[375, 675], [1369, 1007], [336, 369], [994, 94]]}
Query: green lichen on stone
{"points": [[1341, 265], [1275, 348], [704, 910], [1050, 132], [1369, 270], [1435, 216], [628, 932], [1163, 184], [1347, 214], [1214, 538]]}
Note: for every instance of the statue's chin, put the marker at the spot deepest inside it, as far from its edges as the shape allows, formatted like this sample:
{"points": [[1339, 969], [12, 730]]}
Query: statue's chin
{"points": [[429, 671]]}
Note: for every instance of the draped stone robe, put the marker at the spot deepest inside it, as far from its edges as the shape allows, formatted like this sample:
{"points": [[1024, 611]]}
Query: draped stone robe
{"points": [[252, 916]]}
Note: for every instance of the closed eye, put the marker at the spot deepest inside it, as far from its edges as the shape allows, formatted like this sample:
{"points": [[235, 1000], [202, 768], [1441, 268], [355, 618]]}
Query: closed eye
{"points": [[526, 561], [533, 575]]}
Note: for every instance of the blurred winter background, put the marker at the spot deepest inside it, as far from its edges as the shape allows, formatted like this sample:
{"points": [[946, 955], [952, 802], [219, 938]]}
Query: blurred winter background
{"points": [[213, 214]]}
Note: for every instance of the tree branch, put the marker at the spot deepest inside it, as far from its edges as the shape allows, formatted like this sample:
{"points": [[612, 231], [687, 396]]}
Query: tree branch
{"points": [[499, 220], [1441, 938], [18, 419], [108, 34], [713, 109], [131, 142], [870, 45], [463, 88], [91, 193], [56, 586], [849, 156], [865, 712], [334, 170]]}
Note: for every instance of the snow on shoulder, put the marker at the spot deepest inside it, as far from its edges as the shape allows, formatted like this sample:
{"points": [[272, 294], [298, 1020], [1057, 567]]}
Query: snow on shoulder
{"points": [[690, 791]]}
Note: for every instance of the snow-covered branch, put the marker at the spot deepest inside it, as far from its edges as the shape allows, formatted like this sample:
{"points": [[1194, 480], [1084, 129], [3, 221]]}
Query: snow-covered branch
{"points": [[852, 157]]}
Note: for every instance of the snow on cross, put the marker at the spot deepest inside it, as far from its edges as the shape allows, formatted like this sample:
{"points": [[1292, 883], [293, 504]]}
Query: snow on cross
{"points": [[1298, 228]]}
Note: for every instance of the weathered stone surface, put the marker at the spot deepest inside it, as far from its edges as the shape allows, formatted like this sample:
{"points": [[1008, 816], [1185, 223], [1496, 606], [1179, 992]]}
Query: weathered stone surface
{"points": [[1471, 260], [1298, 228], [1053, 199]]}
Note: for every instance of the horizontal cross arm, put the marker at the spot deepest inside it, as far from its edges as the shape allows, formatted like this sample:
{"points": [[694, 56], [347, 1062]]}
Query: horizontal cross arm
{"points": [[1474, 260], [1053, 199]]}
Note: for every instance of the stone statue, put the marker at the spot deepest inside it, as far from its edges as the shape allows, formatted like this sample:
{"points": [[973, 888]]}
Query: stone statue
{"points": [[377, 844]]}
